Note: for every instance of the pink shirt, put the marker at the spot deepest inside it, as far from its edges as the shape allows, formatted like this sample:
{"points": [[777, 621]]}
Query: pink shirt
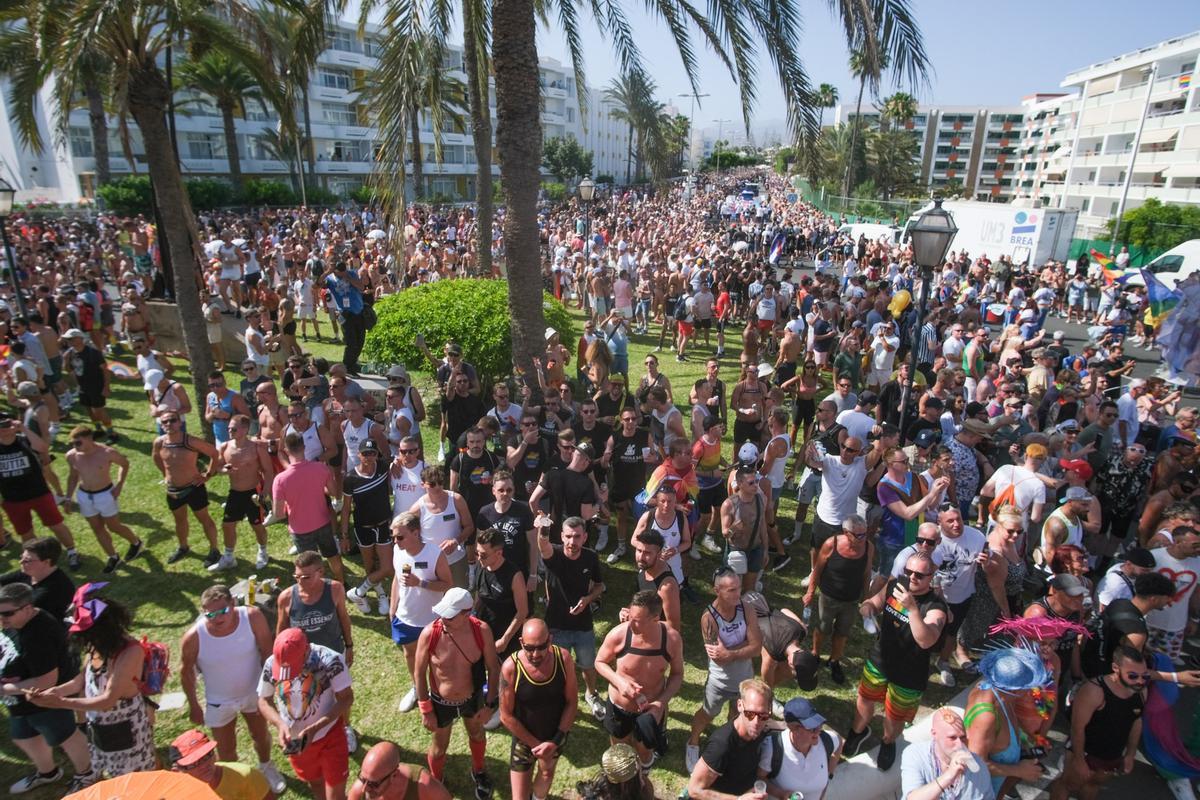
{"points": [[623, 293], [302, 487]]}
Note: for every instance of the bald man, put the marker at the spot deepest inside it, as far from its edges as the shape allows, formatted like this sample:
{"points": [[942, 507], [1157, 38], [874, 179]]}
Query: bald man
{"points": [[943, 767], [538, 703], [383, 777]]}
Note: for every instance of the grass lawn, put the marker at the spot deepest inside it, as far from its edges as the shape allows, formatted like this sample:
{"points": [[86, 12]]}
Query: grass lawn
{"points": [[165, 601]]}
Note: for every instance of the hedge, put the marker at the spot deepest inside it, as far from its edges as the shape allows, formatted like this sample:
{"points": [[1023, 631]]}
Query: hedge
{"points": [[473, 312]]}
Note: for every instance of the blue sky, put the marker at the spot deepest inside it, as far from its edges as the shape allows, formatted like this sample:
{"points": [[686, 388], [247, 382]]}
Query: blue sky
{"points": [[982, 53]]}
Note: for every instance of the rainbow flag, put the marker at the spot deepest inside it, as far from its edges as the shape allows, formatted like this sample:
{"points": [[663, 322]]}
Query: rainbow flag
{"points": [[1185, 81], [1099, 257], [777, 248], [1110, 275], [1162, 300]]}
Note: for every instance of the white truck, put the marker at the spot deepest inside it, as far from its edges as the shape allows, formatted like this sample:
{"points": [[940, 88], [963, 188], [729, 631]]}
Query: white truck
{"points": [[1034, 235]]}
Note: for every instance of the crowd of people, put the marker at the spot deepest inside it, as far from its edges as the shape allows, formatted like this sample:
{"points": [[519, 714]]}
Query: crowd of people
{"points": [[999, 506]]}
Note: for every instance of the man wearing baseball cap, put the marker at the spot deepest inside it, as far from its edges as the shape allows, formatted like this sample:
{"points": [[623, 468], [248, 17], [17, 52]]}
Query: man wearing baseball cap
{"points": [[304, 692], [1065, 525], [801, 758], [1117, 583], [93, 377], [194, 754]]}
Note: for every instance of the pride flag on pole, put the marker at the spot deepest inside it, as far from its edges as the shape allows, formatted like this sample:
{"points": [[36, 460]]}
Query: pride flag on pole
{"points": [[1162, 300], [1110, 275], [777, 248]]}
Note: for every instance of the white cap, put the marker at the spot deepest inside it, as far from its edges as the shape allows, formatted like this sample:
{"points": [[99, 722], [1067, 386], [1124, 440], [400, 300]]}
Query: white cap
{"points": [[453, 602], [748, 453], [74, 333], [152, 379], [1137, 383], [550, 332], [765, 370]]}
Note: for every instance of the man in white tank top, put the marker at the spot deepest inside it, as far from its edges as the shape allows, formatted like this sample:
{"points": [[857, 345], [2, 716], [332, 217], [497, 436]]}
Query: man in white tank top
{"points": [[356, 429], [406, 475], [318, 443], [422, 576], [227, 646]]}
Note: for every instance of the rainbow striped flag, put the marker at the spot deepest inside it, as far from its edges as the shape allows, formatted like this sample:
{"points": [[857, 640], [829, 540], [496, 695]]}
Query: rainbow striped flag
{"points": [[1162, 300], [1099, 257]]}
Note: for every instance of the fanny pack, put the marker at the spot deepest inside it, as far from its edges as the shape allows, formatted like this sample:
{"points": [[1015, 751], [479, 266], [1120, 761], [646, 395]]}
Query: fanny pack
{"points": [[113, 737]]}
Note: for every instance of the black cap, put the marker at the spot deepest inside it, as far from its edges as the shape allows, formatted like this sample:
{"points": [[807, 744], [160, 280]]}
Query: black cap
{"points": [[806, 667], [868, 398], [368, 446], [587, 449], [1140, 557]]}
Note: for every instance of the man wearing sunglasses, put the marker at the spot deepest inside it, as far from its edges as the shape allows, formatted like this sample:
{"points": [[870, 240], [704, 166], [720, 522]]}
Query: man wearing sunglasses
{"points": [[1106, 726], [728, 767], [842, 571], [910, 618], [538, 704], [194, 754], [91, 466], [227, 647], [383, 777]]}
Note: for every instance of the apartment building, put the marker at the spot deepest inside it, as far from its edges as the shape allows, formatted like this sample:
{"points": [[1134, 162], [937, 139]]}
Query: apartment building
{"points": [[963, 146], [1135, 117], [343, 133]]}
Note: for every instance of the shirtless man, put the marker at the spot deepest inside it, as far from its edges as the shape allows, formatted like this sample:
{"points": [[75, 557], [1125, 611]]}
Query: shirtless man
{"points": [[91, 472], [250, 472], [177, 456], [272, 417], [646, 658], [539, 698], [456, 654], [655, 575], [383, 777]]}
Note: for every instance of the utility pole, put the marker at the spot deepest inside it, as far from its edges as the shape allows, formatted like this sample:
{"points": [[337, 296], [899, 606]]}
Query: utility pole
{"points": [[692, 125]]}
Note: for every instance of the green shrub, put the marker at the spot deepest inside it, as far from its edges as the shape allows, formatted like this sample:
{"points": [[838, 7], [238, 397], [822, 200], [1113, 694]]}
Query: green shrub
{"points": [[555, 192], [320, 196], [609, 179], [208, 193], [258, 192], [127, 196], [472, 312], [364, 195]]}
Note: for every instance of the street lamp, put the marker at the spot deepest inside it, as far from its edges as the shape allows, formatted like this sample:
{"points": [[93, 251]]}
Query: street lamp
{"points": [[7, 195], [931, 237], [587, 190]]}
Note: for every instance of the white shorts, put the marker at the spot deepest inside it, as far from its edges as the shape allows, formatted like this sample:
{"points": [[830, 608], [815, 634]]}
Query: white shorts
{"points": [[93, 503], [233, 274], [306, 312], [218, 716], [878, 377]]}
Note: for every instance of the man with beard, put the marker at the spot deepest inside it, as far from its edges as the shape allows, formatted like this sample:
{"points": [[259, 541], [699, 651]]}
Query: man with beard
{"points": [[655, 575]]}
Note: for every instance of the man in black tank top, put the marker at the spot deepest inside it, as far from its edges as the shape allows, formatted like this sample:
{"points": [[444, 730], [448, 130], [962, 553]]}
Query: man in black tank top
{"points": [[538, 704], [1106, 726], [655, 575], [642, 660]]}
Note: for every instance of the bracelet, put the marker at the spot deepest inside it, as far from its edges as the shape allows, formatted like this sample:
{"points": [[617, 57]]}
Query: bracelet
{"points": [[422, 583], [426, 706], [938, 780], [559, 739], [1174, 677]]}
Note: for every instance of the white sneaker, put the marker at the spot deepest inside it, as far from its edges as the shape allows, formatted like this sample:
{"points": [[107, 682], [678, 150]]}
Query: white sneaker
{"points": [[493, 723], [616, 554], [599, 709], [274, 779], [351, 739], [336, 503], [804, 583], [710, 544], [385, 603], [263, 559], [694, 553], [602, 539], [409, 701], [776, 709], [691, 757], [53, 429], [946, 676], [1182, 789], [226, 562], [294, 549], [359, 600]]}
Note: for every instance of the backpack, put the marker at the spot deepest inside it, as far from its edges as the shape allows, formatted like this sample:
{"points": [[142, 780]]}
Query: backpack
{"points": [[439, 625], [87, 315], [777, 752], [1091, 657], [156, 667], [680, 313]]}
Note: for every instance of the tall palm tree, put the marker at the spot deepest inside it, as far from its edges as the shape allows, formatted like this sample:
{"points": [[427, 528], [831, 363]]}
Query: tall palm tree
{"points": [[892, 155], [631, 92], [898, 108], [477, 65], [827, 97], [133, 40], [869, 70], [229, 84]]}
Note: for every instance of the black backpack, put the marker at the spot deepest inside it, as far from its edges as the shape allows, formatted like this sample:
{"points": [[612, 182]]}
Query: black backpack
{"points": [[777, 752], [680, 313], [1092, 657]]}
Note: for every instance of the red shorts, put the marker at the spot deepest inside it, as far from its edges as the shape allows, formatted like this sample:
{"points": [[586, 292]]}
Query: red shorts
{"points": [[20, 513], [686, 328], [764, 325], [327, 759]]}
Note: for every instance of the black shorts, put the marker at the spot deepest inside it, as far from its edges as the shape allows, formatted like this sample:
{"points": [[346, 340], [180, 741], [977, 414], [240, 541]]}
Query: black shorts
{"points": [[370, 535], [336, 461], [95, 399], [194, 497], [240, 505], [521, 757], [710, 499], [704, 324], [446, 713], [620, 724], [822, 531], [958, 614], [805, 410], [320, 540], [251, 279], [746, 432]]}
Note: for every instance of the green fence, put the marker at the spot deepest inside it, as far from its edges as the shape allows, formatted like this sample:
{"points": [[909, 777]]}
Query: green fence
{"points": [[1138, 256], [856, 209]]}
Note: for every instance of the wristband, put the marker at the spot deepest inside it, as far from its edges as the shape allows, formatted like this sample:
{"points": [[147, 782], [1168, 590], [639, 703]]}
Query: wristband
{"points": [[1174, 676], [426, 706], [559, 739]]}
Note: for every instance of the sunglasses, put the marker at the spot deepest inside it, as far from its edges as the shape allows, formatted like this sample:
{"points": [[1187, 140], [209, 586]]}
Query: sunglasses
{"points": [[220, 612], [374, 785], [535, 648], [756, 715], [852, 449], [914, 573], [11, 613], [409, 451], [168, 420], [929, 542], [528, 424], [295, 414]]}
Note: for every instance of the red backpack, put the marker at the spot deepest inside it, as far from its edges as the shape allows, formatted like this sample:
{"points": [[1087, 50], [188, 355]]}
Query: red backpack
{"points": [[156, 667], [438, 626]]}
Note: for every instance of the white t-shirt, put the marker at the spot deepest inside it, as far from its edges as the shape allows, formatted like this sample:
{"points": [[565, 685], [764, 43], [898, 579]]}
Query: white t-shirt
{"points": [[1183, 574], [881, 357], [1115, 585], [1028, 490], [1127, 411], [840, 485], [956, 564], [857, 423], [798, 772]]}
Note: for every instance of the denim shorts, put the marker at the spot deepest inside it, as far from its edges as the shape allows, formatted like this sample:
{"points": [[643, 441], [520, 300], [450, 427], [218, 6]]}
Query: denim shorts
{"points": [[583, 643], [55, 725]]}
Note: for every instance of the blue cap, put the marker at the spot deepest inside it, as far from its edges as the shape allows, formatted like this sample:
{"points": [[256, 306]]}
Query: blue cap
{"points": [[800, 710]]}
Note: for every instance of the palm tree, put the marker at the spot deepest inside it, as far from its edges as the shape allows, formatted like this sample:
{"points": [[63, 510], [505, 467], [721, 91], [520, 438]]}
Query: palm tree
{"points": [[133, 40], [477, 65], [631, 92], [827, 97], [278, 146], [898, 108], [892, 155], [868, 69], [229, 84]]}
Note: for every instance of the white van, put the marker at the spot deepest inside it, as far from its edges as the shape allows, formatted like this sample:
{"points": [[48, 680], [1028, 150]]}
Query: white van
{"points": [[874, 232], [1173, 266]]}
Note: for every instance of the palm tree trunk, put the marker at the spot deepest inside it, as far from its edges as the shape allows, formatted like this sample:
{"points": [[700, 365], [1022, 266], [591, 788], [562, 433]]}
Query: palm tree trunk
{"points": [[127, 143], [231, 149], [308, 140], [862, 84], [99, 124], [418, 172], [481, 133], [148, 97], [519, 143], [629, 154]]}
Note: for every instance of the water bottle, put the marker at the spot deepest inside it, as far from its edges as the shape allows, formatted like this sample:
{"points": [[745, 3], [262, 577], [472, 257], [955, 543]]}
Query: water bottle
{"points": [[807, 614]]}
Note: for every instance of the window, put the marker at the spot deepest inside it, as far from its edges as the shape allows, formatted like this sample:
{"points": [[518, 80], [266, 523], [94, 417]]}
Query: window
{"points": [[342, 40], [205, 145], [570, 115], [334, 79], [81, 142], [339, 113]]}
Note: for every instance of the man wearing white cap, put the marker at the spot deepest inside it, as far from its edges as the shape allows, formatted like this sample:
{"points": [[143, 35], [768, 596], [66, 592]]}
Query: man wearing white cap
{"points": [[456, 656], [1128, 425], [166, 397]]}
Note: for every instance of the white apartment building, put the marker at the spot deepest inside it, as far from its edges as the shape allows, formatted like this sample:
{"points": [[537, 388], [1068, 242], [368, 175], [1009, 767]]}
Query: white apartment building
{"points": [[1087, 139], [969, 145], [343, 134]]}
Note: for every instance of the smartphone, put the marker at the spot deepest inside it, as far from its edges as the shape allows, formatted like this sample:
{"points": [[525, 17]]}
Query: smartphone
{"points": [[902, 581]]}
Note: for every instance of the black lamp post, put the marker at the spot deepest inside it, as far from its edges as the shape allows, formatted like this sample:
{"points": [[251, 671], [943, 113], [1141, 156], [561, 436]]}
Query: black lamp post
{"points": [[7, 195], [587, 190], [931, 238]]}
